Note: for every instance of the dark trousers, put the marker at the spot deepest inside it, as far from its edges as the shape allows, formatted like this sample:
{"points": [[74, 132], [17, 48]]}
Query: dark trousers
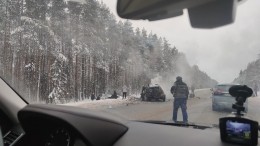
{"points": [[180, 102], [124, 95]]}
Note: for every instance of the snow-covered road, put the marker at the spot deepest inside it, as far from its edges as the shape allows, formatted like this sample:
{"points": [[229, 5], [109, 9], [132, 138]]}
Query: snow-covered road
{"points": [[199, 109]]}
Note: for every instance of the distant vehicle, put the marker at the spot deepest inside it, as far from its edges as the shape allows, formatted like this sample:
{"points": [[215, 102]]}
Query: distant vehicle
{"points": [[222, 100], [153, 93]]}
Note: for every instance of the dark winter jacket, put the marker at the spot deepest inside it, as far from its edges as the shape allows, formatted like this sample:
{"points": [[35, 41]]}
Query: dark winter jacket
{"points": [[180, 90], [114, 96], [92, 97]]}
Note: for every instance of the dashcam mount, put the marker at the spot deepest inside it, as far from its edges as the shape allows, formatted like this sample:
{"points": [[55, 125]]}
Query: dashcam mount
{"points": [[241, 93]]}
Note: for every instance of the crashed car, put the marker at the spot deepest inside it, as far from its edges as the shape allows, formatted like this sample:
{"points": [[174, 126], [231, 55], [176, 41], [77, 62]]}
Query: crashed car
{"points": [[153, 93]]}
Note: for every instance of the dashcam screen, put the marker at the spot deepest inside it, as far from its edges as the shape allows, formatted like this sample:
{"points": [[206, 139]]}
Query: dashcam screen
{"points": [[238, 132]]}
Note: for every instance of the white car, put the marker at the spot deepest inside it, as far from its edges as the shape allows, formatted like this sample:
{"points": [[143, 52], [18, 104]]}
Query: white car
{"points": [[222, 100]]}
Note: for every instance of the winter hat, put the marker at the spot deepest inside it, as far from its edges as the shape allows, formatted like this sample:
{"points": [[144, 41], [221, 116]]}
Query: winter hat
{"points": [[179, 78]]}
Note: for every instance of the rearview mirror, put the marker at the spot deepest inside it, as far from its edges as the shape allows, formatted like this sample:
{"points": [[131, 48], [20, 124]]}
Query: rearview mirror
{"points": [[213, 14], [148, 9], [202, 13]]}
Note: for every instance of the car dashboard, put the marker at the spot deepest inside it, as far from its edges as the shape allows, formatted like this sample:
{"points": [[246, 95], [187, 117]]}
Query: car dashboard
{"points": [[45, 130], [52, 125], [49, 125]]}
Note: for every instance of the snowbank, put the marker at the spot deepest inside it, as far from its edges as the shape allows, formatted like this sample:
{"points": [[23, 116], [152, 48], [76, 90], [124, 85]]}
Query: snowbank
{"points": [[104, 103]]}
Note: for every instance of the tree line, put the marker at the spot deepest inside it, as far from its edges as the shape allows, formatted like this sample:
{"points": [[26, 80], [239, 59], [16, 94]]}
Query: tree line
{"points": [[64, 49], [250, 76]]}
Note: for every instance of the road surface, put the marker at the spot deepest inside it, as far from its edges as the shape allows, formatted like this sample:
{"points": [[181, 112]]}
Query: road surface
{"points": [[199, 110]]}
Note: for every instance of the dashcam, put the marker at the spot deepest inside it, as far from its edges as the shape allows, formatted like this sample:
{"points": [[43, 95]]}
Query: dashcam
{"points": [[238, 131]]}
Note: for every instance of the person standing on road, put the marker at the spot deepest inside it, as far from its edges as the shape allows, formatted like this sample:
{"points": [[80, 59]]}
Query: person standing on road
{"points": [[255, 89], [192, 88], [143, 92], [124, 91], [180, 93], [93, 96]]}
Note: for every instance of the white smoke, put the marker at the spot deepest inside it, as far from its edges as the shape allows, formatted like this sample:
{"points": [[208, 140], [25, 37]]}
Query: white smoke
{"points": [[166, 84]]}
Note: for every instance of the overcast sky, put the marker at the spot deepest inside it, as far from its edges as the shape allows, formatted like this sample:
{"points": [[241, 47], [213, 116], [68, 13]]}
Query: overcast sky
{"points": [[220, 52]]}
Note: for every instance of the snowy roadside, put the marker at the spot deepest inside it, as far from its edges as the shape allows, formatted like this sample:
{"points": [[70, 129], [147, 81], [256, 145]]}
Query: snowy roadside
{"points": [[105, 103]]}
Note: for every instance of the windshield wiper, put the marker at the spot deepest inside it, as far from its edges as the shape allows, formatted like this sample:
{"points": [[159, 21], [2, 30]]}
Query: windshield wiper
{"points": [[180, 124]]}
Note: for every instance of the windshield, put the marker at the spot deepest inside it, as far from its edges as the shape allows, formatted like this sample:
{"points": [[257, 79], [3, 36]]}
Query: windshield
{"points": [[80, 53]]}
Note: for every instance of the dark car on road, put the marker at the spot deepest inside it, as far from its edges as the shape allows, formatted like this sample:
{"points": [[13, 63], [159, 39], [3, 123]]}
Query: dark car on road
{"points": [[153, 93], [222, 100]]}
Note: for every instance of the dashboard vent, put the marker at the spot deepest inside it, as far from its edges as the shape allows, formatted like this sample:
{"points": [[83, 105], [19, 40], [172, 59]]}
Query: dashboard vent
{"points": [[11, 138]]}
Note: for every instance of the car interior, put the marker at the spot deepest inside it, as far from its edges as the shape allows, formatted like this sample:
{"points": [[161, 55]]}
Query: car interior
{"points": [[59, 125]]}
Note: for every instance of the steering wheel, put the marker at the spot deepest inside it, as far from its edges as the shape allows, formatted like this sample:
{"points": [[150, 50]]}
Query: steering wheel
{"points": [[1, 138]]}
